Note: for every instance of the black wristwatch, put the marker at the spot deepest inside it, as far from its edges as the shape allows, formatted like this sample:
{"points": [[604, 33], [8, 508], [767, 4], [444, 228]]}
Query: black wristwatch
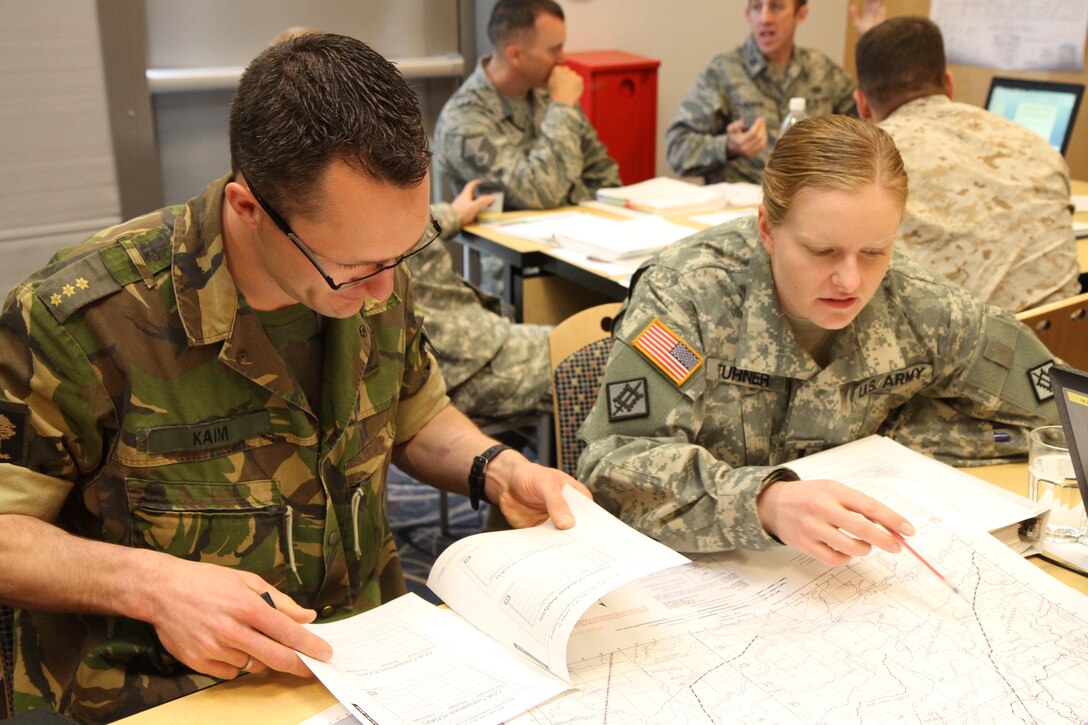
{"points": [[476, 477]]}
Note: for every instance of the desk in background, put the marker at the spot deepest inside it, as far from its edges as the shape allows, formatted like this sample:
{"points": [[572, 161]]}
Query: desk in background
{"points": [[546, 289], [271, 698]]}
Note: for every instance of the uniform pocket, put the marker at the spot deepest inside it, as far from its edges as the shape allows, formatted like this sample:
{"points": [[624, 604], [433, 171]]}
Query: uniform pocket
{"points": [[237, 525]]}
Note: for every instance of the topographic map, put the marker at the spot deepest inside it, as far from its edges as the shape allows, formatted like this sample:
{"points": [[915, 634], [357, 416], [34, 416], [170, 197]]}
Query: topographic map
{"points": [[771, 637]]}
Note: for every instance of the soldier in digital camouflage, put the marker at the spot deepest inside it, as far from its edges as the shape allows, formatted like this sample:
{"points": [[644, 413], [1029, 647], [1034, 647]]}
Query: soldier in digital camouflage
{"points": [[989, 203], [202, 403], [754, 343], [516, 119], [730, 118], [493, 367]]}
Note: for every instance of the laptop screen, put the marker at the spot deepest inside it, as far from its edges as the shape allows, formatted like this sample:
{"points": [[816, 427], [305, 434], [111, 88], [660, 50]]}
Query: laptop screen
{"points": [[1049, 109], [1071, 394]]}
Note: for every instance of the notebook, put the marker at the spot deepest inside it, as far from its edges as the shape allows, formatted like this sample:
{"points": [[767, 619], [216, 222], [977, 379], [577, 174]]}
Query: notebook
{"points": [[1049, 109]]}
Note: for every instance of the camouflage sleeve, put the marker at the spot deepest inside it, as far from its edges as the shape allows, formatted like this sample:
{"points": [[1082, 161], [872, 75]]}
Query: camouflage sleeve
{"points": [[536, 175], [51, 409], [643, 460], [601, 170], [423, 390], [447, 218], [695, 141], [990, 389]]}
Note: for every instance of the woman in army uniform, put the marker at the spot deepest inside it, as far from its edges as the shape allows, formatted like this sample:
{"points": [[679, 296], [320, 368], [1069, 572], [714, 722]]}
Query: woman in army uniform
{"points": [[754, 343]]}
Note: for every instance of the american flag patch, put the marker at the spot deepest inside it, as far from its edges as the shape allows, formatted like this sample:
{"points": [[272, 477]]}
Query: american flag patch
{"points": [[668, 352]]}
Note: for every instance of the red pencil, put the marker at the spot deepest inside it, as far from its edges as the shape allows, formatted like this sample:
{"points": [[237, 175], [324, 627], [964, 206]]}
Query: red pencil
{"points": [[901, 540]]}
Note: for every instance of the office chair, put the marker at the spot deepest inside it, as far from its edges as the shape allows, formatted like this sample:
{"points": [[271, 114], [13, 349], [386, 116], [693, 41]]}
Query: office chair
{"points": [[1063, 327], [579, 347]]}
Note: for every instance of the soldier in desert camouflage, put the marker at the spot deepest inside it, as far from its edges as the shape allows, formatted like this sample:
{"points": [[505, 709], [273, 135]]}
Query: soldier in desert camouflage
{"points": [[989, 203], [516, 119], [759, 341], [202, 404]]}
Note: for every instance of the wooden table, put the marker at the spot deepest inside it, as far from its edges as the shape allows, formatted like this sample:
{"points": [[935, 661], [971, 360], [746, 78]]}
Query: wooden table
{"points": [[271, 698]]}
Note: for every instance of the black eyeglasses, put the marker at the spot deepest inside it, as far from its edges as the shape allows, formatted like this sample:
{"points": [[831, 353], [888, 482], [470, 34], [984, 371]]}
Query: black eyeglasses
{"points": [[434, 231]]}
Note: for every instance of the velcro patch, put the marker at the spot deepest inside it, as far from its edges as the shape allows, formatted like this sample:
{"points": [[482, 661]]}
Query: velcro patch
{"points": [[479, 151], [674, 357], [14, 434], [208, 435], [1039, 379], [627, 399]]}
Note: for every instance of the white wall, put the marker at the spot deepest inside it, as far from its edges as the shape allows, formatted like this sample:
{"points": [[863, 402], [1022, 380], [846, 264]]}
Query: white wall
{"points": [[58, 184], [684, 35], [191, 127]]}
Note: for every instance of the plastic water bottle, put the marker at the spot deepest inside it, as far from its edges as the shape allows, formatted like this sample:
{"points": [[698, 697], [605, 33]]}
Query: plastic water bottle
{"points": [[797, 113]]}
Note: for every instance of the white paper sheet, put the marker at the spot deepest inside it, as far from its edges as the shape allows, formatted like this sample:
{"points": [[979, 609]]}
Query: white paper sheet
{"points": [[1013, 34]]}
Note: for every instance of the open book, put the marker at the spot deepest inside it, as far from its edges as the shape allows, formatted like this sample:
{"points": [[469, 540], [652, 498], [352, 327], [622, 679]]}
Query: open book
{"points": [[514, 597]]}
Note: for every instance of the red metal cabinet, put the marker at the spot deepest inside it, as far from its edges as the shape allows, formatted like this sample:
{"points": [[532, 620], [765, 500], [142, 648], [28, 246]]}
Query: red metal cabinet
{"points": [[620, 100]]}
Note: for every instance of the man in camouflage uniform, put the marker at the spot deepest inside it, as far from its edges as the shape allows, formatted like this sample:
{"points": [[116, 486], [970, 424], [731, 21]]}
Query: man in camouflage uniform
{"points": [[493, 367], [205, 407], [516, 120], [989, 205], [714, 382], [730, 118]]}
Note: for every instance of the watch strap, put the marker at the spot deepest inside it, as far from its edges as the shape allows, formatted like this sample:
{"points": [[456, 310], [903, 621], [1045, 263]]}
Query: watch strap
{"points": [[476, 475]]}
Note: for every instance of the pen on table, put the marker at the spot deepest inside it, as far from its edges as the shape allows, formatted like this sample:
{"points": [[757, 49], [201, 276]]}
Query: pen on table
{"points": [[1002, 436], [899, 537]]}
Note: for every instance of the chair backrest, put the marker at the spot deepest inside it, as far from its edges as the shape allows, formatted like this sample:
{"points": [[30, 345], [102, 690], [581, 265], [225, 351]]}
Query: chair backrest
{"points": [[1063, 328], [579, 348]]}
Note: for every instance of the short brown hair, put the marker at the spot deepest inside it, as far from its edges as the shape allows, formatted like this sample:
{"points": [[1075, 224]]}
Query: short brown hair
{"points": [[513, 16], [899, 60], [830, 152], [316, 98]]}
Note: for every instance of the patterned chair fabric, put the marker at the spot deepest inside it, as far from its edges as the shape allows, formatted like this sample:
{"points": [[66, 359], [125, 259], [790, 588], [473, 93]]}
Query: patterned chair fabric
{"points": [[576, 380]]}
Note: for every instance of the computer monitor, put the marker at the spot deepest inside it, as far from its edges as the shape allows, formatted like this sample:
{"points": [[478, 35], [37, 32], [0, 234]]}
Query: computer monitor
{"points": [[1049, 109], [1071, 393]]}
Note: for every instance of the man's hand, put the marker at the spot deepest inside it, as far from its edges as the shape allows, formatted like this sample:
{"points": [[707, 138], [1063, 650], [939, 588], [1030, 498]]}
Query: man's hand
{"points": [[214, 619], [564, 85], [468, 208], [745, 143], [528, 493], [828, 521], [873, 12]]}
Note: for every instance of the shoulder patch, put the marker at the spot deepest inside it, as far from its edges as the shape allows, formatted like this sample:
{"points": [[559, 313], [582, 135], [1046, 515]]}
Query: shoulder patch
{"points": [[1039, 379], [479, 151], [76, 285], [627, 399], [671, 355], [14, 436]]}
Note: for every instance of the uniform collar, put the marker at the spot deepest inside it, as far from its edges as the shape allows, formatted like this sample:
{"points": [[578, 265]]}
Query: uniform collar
{"points": [[869, 345], [212, 309], [755, 62], [519, 110]]}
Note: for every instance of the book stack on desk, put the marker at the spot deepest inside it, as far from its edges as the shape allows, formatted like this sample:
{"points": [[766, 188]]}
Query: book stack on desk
{"points": [[663, 195]]}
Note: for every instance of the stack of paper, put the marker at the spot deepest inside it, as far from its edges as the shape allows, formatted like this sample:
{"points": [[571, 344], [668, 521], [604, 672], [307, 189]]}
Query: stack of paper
{"points": [[663, 195], [614, 241]]}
